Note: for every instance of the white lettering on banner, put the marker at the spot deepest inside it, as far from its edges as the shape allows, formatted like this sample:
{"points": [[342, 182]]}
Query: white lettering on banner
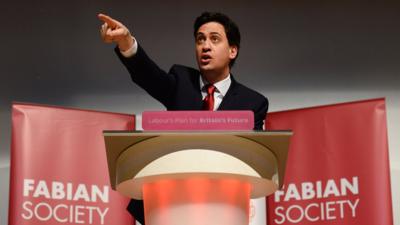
{"points": [[58, 191], [310, 191], [161, 121], [64, 213], [322, 211], [237, 120], [318, 210], [212, 120]]}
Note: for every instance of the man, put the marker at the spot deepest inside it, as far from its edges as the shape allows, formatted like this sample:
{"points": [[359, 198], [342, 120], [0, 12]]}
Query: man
{"points": [[212, 87]]}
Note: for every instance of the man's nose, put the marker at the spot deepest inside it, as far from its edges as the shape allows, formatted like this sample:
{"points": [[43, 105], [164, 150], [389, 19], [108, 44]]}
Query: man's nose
{"points": [[206, 46]]}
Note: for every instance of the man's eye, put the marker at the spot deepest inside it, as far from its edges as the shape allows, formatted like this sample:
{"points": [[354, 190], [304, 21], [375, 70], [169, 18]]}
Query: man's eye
{"points": [[200, 39], [214, 39]]}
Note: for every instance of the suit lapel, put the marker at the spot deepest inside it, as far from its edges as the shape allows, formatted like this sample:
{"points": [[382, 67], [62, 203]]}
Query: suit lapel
{"points": [[196, 86], [229, 99]]}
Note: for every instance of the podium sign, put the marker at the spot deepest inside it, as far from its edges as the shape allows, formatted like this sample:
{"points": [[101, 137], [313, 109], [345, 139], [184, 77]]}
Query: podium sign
{"points": [[197, 120]]}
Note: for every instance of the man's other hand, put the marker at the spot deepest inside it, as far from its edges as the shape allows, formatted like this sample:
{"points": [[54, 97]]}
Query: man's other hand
{"points": [[114, 31]]}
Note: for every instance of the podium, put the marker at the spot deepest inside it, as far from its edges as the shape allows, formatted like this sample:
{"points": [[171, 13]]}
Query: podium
{"points": [[196, 177]]}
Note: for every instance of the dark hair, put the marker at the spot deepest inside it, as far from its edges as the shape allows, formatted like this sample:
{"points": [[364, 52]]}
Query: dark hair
{"points": [[231, 29]]}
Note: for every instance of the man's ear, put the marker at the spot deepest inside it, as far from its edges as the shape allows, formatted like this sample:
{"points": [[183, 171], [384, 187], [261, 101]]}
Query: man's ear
{"points": [[233, 51]]}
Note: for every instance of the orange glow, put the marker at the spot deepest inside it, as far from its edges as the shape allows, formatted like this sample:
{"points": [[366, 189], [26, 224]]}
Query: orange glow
{"points": [[198, 200]]}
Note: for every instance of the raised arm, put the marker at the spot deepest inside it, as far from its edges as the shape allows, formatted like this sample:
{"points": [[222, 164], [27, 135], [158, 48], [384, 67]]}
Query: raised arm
{"points": [[144, 72]]}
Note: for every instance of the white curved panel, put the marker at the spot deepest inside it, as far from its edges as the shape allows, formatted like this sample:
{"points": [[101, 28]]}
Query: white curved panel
{"points": [[197, 161]]}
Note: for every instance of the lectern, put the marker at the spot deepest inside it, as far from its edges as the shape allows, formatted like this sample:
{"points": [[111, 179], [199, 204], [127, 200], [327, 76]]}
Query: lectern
{"points": [[196, 177]]}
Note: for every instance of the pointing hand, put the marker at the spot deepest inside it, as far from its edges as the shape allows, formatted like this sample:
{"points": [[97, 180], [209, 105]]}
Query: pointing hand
{"points": [[114, 31]]}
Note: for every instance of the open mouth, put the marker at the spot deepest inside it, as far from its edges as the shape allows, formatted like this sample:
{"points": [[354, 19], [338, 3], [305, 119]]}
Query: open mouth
{"points": [[205, 59]]}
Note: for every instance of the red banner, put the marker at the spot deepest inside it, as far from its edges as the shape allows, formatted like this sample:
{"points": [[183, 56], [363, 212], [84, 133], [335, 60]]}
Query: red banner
{"points": [[59, 172], [338, 166]]}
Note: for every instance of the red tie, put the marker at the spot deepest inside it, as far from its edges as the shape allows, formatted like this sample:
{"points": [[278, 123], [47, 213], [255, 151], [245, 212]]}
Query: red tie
{"points": [[208, 102]]}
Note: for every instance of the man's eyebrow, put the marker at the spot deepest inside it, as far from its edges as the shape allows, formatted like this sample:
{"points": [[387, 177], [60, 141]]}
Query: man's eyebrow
{"points": [[215, 33], [212, 33], [199, 33]]}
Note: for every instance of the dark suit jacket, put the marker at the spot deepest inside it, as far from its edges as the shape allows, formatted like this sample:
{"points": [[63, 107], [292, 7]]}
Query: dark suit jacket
{"points": [[179, 89]]}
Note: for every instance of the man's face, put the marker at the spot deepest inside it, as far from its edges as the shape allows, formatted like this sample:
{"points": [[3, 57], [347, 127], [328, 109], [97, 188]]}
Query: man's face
{"points": [[213, 52]]}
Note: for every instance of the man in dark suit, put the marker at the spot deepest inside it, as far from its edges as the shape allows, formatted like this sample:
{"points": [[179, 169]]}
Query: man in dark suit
{"points": [[212, 87]]}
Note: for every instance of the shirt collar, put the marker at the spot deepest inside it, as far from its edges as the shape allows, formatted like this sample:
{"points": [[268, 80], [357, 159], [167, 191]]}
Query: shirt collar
{"points": [[222, 86]]}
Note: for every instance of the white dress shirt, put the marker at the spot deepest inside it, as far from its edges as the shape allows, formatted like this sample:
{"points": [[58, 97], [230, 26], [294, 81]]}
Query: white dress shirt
{"points": [[221, 88], [132, 51]]}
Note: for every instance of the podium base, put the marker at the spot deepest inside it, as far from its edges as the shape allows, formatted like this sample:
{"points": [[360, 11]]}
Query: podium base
{"points": [[197, 200]]}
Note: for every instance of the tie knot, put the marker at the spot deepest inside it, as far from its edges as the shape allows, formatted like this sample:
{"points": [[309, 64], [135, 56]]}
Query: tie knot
{"points": [[210, 89]]}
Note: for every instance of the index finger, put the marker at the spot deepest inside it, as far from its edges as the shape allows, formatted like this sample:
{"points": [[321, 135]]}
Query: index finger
{"points": [[110, 21]]}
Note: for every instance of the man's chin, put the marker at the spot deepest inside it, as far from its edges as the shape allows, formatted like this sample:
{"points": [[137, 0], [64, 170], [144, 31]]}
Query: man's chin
{"points": [[206, 67]]}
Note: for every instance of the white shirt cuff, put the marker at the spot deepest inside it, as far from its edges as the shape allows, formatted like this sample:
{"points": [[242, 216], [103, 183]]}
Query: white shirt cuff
{"points": [[132, 51]]}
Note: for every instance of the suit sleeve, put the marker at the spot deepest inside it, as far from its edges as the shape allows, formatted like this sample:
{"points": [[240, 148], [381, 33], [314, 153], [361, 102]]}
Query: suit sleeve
{"points": [[145, 73], [136, 209], [260, 114]]}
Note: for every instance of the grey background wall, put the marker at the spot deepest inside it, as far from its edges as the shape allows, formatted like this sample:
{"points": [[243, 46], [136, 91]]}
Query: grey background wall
{"points": [[298, 53]]}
